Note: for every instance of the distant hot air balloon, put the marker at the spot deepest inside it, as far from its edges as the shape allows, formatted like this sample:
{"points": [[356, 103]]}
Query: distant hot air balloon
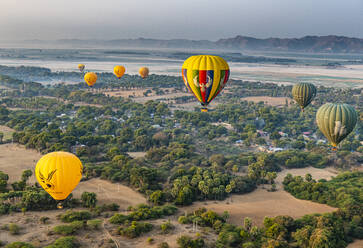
{"points": [[81, 67], [144, 72], [119, 71], [303, 94], [336, 121], [90, 78], [59, 173], [205, 76]]}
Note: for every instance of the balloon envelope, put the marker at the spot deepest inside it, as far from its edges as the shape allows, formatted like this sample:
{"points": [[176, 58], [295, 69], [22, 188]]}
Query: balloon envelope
{"points": [[205, 76], [90, 78], [59, 173], [336, 121], [303, 94], [144, 72], [81, 67], [119, 71]]}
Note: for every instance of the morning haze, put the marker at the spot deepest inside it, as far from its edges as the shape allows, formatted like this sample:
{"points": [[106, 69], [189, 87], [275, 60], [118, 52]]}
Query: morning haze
{"points": [[165, 19]]}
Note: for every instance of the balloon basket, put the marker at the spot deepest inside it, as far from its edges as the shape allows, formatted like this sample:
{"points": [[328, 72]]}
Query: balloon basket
{"points": [[204, 110], [60, 205]]}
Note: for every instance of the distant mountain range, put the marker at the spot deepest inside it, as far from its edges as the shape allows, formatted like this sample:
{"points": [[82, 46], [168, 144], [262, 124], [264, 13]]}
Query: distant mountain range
{"points": [[314, 44], [330, 44]]}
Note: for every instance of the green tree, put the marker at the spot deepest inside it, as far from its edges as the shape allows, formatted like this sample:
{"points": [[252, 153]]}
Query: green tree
{"points": [[88, 199]]}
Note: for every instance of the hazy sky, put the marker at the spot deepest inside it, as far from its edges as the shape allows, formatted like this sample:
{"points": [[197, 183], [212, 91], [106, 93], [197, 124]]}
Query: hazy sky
{"points": [[166, 19]]}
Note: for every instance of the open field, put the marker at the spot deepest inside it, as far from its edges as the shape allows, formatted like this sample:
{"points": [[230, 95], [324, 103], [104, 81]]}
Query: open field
{"points": [[136, 154], [356, 244], [273, 101], [108, 192], [261, 203], [14, 159], [126, 93], [7, 131]]}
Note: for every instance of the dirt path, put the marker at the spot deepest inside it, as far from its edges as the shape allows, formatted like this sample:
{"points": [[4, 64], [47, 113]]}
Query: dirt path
{"points": [[109, 235]]}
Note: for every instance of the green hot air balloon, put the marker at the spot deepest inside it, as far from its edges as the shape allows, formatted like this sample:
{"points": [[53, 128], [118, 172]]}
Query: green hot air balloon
{"points": [[303, 94], [336, 121]]}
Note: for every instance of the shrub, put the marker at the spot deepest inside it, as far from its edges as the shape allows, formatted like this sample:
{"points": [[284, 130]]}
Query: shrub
{"points": [[150, 240], [183, 220], [135, 229], [44, 219], [13, 229], [71, 216], [166, 227], [65, 242], [68, 229], [163, 245], [94, 224], [19, 245], [187, 242], [118, 219]]}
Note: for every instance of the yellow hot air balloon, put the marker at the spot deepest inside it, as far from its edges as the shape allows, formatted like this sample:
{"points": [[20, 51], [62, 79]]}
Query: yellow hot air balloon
{"points": [[90, 78], [81, 67], [205, 76], [59, 173], [119, 71], [144, 72]]}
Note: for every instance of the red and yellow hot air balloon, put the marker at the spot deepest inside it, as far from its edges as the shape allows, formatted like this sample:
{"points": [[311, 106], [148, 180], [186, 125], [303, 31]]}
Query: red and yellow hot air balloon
{"points": [[144, 72], [59, 173], [119, 71], [205, 76], [90, 78]]}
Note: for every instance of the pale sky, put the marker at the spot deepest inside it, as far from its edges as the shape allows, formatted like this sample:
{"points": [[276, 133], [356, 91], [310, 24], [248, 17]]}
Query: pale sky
{"points": [[168, 19]]}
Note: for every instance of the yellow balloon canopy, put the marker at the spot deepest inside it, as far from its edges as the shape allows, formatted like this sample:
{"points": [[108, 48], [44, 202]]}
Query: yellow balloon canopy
{"points": [[144, 72], [205, 76], [119, 71], [90, 78], [59, 173], [81, 67]]}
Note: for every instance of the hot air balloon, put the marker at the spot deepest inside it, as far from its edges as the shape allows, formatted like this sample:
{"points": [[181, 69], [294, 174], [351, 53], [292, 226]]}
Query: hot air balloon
{"points": [[303, 94], [205, 76], [144, 72], [81, 67], [119, 71], [336, 121], [59, 173], [90, 78]]}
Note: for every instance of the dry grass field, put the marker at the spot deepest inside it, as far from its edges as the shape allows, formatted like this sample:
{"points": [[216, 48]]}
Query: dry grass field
{"points": [[261, 203], [136, 154], [7, 131], [356, 244], [108, 192], [273, 101], [14, 159]]}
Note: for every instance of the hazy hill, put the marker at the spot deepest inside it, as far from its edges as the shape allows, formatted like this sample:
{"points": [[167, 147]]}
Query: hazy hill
{"points": [[331, 43], [315, 44]]}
